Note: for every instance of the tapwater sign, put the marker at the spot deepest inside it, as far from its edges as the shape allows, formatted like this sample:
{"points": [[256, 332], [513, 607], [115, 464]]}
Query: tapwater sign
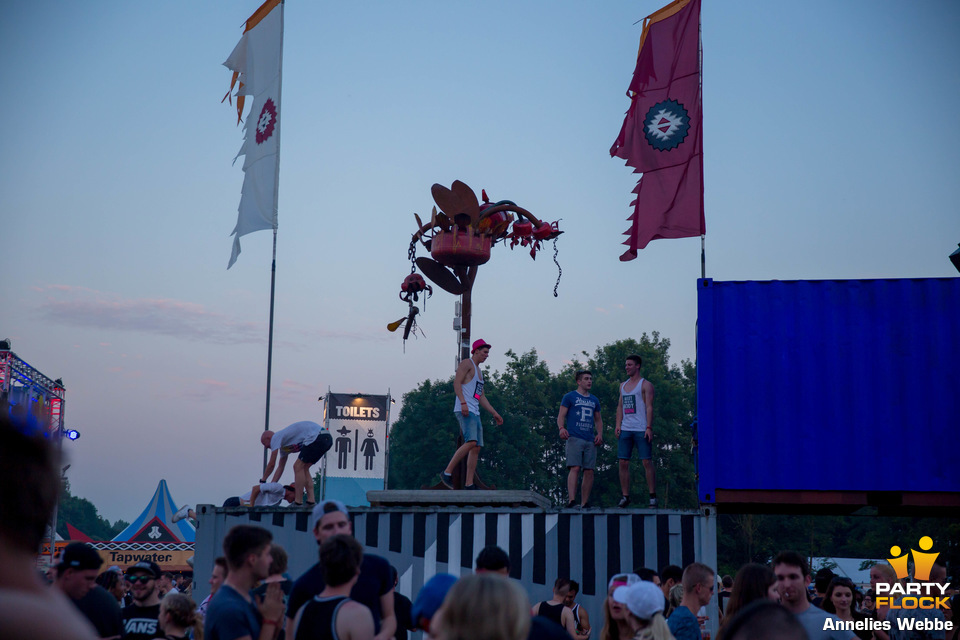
{"points": [[358, 424]]}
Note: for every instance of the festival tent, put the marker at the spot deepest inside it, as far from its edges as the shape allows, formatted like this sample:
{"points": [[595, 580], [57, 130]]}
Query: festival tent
{"points": [[155, 523]]}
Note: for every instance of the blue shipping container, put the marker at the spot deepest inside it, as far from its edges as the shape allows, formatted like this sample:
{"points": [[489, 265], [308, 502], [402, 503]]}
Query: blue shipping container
{"points": [[832, 386]]}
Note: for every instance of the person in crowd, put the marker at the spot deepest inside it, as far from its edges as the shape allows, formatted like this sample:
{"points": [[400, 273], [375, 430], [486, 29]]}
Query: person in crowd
{"points": [[468, 387], [374, 588], [615, 624], [184, 582], [277, 573], [401, 608], [430, 599], [216, 579], [76, 577], [310, 440], [580, 615], [113, 582], [838, 599], [675, 597], [77, 571], [28, 607], [904, 621], [698, 586], [165, 584], [179, 617], [821, 580], [793, 578], [635, 429], [483, 607], [493, 559], [140, 617], [753, 582], [332, 614], [762, 620], [556, 609], [233, 614], [644, 604], [868, 604], [723, 596], [670, 575], [881, 573], [582, 429], [649, 575]]}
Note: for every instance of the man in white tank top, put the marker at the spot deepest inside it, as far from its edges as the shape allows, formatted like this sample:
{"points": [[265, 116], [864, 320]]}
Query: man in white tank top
{"points": [[634, 428], [468, 386]]}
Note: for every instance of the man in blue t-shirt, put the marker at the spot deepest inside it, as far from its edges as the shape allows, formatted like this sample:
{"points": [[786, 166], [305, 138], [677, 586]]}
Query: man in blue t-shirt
{"points": [[581, 426]]}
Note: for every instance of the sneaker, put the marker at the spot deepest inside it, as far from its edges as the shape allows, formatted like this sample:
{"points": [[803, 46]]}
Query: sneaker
{"points": [[181, 513], [653, 503], [470, 487], [624, 501], [446, 479], [571, 504], [585, 505]]}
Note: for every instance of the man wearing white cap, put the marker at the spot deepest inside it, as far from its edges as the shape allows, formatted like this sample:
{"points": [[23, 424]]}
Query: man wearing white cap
{"points": [[468, 386]]}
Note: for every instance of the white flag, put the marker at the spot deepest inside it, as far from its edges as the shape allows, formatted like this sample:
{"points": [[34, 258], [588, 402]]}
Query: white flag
{"points": [[256, 62]]}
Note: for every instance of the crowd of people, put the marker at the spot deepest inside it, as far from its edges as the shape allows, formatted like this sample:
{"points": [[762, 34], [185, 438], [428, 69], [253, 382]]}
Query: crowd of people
{"points": [[350, 594]]}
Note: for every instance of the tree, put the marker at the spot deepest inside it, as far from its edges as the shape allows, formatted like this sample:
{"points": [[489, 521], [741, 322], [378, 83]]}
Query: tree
{"points": [[526, 452], [82, 514]]}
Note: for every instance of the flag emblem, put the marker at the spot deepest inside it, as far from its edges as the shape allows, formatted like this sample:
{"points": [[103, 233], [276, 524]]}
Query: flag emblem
{"points": [[666, 125], [267, 121]]}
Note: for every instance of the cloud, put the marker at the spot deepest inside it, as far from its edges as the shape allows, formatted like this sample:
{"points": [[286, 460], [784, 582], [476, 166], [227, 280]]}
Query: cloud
{"points": [[83, 307]]}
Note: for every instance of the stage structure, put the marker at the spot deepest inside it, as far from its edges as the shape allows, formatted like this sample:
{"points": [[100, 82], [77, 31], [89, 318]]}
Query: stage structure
{"points": [[357, 461], [26, 393]]}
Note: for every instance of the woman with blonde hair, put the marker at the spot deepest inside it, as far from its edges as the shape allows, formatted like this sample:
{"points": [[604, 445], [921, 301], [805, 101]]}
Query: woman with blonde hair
{"points": [[644, 601], [178, 612], [615, 614], [484, 606]]}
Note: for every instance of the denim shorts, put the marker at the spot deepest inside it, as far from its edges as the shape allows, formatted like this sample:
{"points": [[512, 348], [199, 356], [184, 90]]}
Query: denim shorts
{"points": [[630, 438], [470, 427]]}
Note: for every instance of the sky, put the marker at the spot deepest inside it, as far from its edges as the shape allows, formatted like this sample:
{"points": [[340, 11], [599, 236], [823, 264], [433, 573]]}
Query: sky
{"points": [[831, 150]]}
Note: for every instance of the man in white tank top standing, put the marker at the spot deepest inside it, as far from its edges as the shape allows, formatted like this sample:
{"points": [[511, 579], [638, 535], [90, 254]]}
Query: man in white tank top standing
{"points": [[468, 386], [634, 428]]}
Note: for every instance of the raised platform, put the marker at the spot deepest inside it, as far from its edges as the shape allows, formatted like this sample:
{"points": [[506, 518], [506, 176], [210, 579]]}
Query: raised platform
{"points": [[449, 498]]}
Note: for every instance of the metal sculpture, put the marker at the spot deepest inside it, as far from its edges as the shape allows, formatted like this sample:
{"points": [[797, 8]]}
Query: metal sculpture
{"points": [[459, 237]]}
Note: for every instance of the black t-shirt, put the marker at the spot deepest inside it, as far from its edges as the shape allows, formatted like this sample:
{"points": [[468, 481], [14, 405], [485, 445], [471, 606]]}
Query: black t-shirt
{"points": [[102, 610], [403, 610], [140, 623], [375, 580]]}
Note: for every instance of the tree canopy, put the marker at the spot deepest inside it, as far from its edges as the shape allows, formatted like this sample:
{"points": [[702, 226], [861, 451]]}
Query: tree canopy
{"points": [[526, 452], [82, 514]]}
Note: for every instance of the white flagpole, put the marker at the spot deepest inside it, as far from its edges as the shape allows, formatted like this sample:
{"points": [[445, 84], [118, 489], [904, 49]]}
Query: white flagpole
{"points": [[273, 268]]}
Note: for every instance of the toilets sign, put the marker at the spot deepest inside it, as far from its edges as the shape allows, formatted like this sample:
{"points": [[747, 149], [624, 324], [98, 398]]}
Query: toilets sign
{"points": [[358, 424]]}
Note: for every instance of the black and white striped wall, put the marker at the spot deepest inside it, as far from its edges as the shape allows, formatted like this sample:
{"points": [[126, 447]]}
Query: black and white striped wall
{"points": [[588, 547]]}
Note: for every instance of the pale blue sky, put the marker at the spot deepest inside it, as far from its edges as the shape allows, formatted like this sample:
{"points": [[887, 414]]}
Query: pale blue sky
{"points": [[830, 151]]}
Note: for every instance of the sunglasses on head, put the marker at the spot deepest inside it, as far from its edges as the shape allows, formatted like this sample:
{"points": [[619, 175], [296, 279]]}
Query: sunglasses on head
{"points": [[136, 579]]}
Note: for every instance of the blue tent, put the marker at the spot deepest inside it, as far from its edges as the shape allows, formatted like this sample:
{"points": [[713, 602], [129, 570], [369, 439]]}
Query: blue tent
{"points": [[154, 524]]}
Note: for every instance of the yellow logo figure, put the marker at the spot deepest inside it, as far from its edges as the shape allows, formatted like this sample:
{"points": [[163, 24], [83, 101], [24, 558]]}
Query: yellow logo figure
{"points": [[922, 562]]}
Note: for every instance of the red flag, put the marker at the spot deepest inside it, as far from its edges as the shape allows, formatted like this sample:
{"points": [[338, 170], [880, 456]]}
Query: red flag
{"points": [[661, 134]]}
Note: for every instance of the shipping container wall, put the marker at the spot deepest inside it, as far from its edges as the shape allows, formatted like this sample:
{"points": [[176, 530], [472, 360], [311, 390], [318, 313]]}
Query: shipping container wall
{"points": [[839, 385], [588, 547]]}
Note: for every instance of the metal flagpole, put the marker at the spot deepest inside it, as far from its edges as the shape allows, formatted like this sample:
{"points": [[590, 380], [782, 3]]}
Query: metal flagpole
{"points": [[273, 267]]}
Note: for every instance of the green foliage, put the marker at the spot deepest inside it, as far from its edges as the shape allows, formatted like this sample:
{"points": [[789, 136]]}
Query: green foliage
{"points": [[81, 513], [526, 452], [758, 538]]}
